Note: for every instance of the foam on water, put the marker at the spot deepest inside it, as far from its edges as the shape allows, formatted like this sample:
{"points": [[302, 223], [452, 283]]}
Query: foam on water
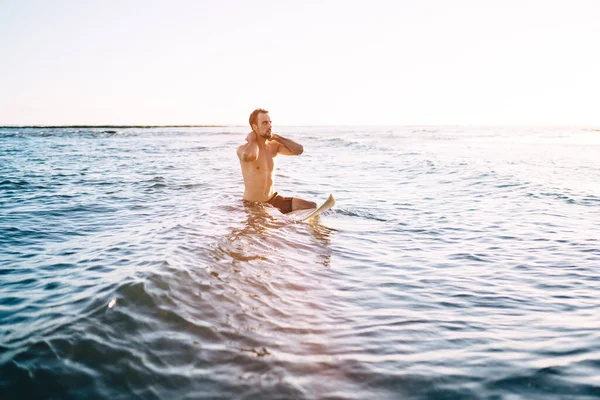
{"points": [[457, 263]]}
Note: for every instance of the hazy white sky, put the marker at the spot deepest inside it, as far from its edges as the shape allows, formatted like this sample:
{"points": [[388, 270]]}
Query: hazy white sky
{"points": [[377, 62]]}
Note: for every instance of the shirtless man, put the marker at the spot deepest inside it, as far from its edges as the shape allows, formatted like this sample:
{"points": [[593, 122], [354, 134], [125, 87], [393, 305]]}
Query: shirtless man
{"points": [[257, 158]]}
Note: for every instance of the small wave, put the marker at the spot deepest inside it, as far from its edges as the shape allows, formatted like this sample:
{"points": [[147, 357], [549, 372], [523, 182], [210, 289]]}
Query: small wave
{"points": [[560, 196], [339, 142], [193, 185], [359, 213], [14, 183], [469, 257], [510, 185], [15, 233], [590, 200], [554, 195]]}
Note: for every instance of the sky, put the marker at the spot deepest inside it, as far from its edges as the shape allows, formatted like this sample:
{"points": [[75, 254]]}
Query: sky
{"points": [[329, 62]]}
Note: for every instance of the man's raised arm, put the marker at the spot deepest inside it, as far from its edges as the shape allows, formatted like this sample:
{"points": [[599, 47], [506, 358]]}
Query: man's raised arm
{"points": [[249, 151], [287, 146]]}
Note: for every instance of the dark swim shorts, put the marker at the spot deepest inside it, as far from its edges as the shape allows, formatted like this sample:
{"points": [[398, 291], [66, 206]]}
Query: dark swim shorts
{"points": [[283, 204]]}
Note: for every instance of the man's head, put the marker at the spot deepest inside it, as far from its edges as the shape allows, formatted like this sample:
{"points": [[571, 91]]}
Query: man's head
{"points": [[261, 123]]}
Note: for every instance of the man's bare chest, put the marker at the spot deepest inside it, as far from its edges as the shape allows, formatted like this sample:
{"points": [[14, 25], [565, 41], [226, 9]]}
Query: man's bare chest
{"points": [[264, 164]]}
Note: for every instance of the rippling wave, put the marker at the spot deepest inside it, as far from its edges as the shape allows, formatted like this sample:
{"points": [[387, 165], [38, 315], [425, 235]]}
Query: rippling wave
{"points": [[457, 263]]}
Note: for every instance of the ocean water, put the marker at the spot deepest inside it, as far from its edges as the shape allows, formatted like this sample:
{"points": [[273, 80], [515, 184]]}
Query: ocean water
{"points": [[458, 263]]}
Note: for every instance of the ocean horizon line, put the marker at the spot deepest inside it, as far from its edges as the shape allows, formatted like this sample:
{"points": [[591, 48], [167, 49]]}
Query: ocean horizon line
{"points": [[113, 126]]}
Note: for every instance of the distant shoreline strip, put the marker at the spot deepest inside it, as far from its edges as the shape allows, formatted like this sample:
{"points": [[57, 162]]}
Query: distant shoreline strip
{"points": [[108, 126]]}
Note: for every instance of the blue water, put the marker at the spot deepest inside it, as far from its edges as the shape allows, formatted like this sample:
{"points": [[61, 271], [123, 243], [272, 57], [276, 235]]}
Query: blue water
{"points": [[458, 263]]}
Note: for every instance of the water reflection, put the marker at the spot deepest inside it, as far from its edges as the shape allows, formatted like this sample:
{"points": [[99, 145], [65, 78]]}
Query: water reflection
{"points": [[264, 234], [266, 282], [321, 236]]}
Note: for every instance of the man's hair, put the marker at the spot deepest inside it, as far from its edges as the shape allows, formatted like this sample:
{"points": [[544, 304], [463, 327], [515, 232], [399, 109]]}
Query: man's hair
{"points": [[254, 116]]}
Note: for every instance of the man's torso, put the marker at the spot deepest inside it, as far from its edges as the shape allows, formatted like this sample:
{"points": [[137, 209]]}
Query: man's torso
{"points": [[258, 175]]}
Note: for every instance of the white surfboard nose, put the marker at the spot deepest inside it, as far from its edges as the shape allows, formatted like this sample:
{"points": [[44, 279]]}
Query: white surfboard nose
{"points": [[305, 215]]}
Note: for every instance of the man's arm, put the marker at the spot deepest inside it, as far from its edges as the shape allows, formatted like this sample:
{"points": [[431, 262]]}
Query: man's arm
{"points": [[249, 151], [287, 146]]}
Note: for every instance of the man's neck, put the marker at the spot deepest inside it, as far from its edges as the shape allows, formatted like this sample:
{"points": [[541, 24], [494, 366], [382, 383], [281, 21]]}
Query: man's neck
{"points": [[260, 140]]}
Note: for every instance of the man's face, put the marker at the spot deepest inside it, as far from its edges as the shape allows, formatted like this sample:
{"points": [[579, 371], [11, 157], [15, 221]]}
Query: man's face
{"points": [[263, 126]]}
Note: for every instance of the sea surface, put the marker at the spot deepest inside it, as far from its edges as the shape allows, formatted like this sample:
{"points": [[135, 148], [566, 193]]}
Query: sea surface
{"points": [[458, 263]]}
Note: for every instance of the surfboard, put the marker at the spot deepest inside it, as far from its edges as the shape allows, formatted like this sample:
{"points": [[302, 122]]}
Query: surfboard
{"points": [[310, 213]]}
